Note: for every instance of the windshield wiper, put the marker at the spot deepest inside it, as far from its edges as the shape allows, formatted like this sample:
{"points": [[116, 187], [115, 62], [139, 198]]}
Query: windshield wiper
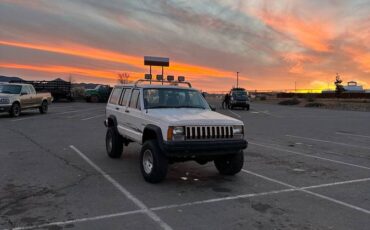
{"points": [[190, 106], [174, 107], [158, 107]]}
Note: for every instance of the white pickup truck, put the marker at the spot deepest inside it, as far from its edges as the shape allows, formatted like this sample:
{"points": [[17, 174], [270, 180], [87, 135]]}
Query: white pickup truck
{"points": [[17, 97], [172, 124]]}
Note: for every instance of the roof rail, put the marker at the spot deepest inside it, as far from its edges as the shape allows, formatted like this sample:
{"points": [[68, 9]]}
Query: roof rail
{"points": [[159, 81]]}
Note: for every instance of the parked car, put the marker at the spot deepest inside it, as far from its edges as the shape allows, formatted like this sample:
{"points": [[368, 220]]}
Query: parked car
{"points": [[99, 94], [14, 98], [239, 98], [173, 124]]}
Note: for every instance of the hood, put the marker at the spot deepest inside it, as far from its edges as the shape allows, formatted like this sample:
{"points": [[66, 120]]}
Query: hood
{"points": [[186, 116], [7, 95]]}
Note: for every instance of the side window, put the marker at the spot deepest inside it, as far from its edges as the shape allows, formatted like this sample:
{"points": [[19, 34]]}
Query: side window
{"points": [[115, 95], [125, 97], [31, 90], [24, 90], [134, 101]]}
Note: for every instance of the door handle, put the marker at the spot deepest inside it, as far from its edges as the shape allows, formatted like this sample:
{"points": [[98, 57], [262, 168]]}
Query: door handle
{"points": [[117, 108], [127, 111]]}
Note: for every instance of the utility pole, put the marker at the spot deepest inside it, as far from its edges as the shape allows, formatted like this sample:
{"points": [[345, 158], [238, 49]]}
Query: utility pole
{"points": [[237, 79], [295, 86]]}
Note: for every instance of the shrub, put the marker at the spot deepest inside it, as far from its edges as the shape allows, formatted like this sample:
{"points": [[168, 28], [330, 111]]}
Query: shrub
{"points": [[263, 98], [314, 104], [310, 99], [293, 101]]}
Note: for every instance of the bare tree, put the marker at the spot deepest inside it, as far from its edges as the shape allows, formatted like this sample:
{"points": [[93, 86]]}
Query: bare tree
{"points": [[338, 85], [123, 78]]}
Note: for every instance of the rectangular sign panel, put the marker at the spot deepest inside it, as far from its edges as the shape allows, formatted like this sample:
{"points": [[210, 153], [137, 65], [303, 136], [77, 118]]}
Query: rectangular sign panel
{"points": [[156, 61]]}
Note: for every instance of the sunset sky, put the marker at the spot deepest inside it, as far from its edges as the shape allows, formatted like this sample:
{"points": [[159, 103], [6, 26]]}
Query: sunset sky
{"points": [[271, 43]]}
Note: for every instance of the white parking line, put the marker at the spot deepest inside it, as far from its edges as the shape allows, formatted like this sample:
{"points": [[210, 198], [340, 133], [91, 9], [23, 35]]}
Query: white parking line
{"points": [[223, 199], [354, 135], [308, 155], [325, 141], [72, 111], [61, 107], [61, 223], [336, 183], [234, 113], [310, 192], [125, 192], [258, 194], [88, 118], [196, 202], [266, 112]]}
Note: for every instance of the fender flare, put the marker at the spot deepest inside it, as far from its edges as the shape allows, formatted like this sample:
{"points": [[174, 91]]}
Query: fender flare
{"points": [[111, 121], [158, 134]]}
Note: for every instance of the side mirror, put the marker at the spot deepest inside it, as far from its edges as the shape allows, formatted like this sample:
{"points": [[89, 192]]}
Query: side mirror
{"points": [[212, 107], [23, 93]]}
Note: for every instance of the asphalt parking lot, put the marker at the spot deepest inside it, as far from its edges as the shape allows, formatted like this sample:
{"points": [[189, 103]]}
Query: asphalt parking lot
{"points": [[304, 169]]}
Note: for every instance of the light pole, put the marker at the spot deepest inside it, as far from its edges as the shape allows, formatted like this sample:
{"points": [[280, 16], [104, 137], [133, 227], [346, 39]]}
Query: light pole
{"points": [[237, 79], [295, 87]]}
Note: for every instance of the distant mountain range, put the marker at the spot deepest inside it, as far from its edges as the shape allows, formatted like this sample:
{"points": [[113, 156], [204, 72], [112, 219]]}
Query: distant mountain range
{"points": [[83, 85], [7, 79]]}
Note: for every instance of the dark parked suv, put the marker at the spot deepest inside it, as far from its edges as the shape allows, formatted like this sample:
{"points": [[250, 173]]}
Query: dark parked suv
{"points": [[239, 98]]}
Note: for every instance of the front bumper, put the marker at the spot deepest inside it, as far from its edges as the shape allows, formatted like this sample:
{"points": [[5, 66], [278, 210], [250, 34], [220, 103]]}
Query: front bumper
{"points": [[239, 103], [194, 149], [5, 108]]}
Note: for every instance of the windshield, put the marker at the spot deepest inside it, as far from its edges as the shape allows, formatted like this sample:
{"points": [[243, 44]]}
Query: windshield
{"points": [[173, 98], [239, 93], [10, 89]]}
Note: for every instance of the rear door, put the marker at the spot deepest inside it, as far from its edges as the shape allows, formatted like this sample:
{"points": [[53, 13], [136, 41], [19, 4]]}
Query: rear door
{"points": [[26, 100], [113, 106], [134, 115], [122, 119], [34, 100]]}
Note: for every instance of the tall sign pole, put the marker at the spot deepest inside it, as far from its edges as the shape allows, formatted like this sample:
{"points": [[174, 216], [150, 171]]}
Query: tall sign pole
{"points": [[237, 79]]}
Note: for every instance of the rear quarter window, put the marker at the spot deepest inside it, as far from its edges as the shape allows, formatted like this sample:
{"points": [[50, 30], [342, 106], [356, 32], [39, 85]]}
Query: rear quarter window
{"points": [[116, 93]]}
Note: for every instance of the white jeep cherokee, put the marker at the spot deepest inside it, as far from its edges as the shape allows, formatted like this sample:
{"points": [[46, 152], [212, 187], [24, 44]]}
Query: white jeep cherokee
{"points": [[172, 124]]}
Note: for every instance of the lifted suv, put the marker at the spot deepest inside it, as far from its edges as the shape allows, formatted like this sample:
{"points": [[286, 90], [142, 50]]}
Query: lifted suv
{"points": [[172, 124]]}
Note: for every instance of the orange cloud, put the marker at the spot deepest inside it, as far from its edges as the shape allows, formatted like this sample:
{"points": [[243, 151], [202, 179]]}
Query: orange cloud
{"points": [[312, 34], [63, 69], [80, 51], [360, 55], [105, 55], [298, 60]]}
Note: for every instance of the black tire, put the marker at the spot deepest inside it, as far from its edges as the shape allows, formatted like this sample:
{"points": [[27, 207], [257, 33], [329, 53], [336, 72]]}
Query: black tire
{"points": [[113, 143], [15, 110], [44, 107], [153, 164], [230, 164]]}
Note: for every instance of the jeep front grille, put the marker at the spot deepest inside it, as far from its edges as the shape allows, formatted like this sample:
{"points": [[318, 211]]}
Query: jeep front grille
{"points": [[208, 132]]}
